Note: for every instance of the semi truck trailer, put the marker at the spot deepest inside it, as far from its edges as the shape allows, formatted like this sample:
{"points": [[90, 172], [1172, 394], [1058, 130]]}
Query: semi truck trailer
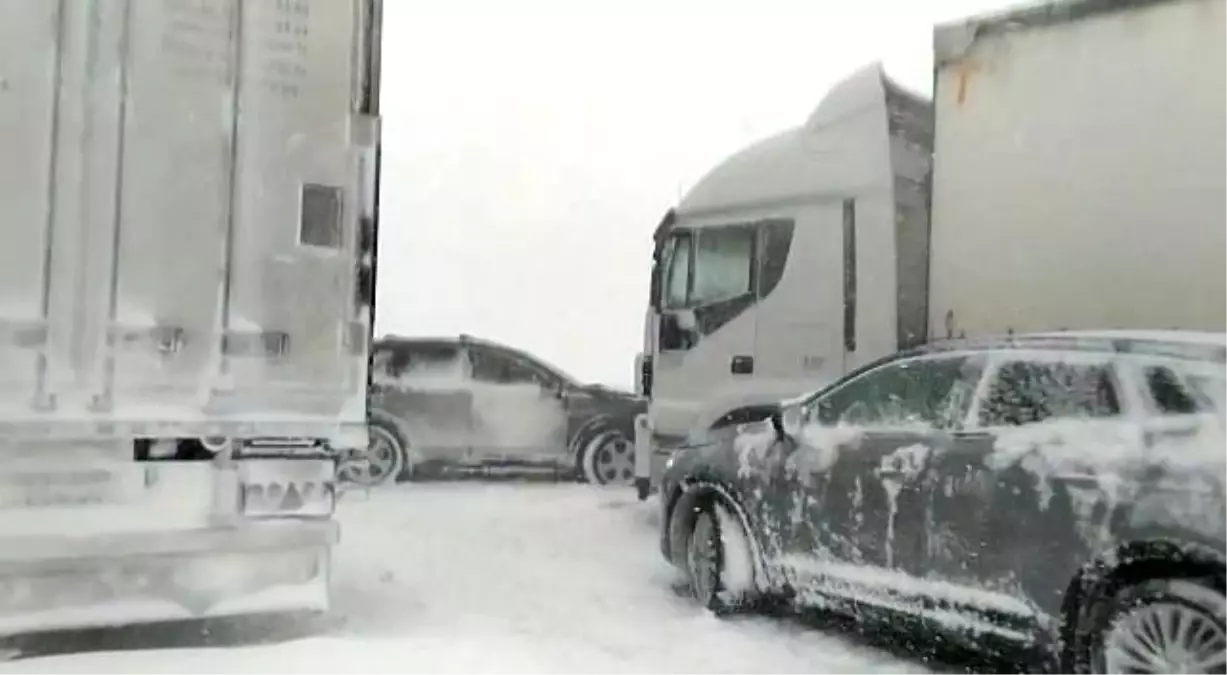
{"points": [[188, 210]]}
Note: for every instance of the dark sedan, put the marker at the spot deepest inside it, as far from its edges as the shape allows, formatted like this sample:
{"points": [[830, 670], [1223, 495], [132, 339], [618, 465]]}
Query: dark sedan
{"points": [[1062, 492], [440, 404]]}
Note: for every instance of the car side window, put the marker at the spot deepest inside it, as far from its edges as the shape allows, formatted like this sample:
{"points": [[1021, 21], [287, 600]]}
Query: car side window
{"points": [[1176, 395], [1025, 392], [429, 363], [382, 359], [1168, 392], [907, 391], [494, 368]]}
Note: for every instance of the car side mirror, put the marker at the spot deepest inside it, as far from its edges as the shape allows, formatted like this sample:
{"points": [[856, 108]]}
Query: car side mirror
{"points": [[825, 414]]}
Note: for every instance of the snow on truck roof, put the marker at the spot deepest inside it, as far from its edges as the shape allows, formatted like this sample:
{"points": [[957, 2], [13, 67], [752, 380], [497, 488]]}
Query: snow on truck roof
{"points": [[952, 40], [834, 152]]}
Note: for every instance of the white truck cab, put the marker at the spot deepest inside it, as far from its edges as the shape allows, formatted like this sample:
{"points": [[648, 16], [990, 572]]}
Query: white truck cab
{"points": [[781, 270]]}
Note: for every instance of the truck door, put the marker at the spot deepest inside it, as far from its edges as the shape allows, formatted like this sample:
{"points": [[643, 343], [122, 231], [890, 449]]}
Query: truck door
{"points": [[705, 335], [29, 78]]}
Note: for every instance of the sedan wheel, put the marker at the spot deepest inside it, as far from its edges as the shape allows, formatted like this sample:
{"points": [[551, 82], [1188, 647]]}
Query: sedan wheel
{"points": [[703, 559], [384, 460], [609, 459], [719, 562], [1175, 627]]}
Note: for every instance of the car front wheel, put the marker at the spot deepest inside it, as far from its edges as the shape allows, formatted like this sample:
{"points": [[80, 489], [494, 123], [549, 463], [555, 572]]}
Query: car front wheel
{"points": [[719, 562], [1159, 626]]}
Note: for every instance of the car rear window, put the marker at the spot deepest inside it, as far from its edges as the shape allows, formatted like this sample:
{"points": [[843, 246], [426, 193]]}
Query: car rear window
{"points": [[1026, 392]]}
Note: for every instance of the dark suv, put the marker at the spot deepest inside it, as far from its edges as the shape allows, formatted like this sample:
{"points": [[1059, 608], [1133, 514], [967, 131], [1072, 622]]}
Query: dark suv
{"points": [[466, 403], [1060, 490]]}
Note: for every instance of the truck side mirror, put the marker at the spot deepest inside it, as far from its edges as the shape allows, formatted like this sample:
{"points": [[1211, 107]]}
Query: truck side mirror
{"points": [[686, 320]]}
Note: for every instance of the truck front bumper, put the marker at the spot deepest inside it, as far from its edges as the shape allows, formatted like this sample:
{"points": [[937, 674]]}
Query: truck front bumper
{"points": [[50, 583]]}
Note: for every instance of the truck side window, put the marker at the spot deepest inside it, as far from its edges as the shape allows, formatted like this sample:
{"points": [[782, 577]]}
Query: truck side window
{"points": [[724, 264], [1026, 393]]}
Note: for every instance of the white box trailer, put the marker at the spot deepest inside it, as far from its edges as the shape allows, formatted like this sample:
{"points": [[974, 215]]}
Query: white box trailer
{"points": [[1079, 169], [187, 223]]}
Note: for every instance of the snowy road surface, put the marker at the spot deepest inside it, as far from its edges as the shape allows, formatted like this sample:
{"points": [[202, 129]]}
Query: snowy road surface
{"points": [[466, 577]]}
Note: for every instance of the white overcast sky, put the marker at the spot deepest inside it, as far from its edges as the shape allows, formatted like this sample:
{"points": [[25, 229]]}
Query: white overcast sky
{"points": [[530, 147]]}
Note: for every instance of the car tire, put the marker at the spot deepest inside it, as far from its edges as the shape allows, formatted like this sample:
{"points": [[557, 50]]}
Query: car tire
{"points": [[607, 458], [388, 450], [1143, 621], [719, 563]]}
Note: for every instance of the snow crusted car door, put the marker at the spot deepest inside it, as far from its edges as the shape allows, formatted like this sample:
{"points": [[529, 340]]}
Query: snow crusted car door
{"points": [[425, 386], [1003, 521], [860, 469], [519, 414]]}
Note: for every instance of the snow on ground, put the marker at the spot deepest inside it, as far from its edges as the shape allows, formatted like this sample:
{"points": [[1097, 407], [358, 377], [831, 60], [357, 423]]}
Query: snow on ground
{"points": [[470, 577]]}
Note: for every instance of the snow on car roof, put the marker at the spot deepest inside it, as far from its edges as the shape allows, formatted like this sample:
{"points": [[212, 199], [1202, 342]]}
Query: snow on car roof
{"points": [[464, 338], [1191, 337], [1196, 345]]}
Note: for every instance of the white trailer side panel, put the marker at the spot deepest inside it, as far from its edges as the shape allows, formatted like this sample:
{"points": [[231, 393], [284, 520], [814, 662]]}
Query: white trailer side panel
{"points": [[29, 64], [185, 190], [1079, 172]]}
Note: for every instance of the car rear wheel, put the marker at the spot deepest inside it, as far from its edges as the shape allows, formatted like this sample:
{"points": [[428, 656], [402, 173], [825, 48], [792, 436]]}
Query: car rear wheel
{"points": [[1160, 626], [719, 562]]}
